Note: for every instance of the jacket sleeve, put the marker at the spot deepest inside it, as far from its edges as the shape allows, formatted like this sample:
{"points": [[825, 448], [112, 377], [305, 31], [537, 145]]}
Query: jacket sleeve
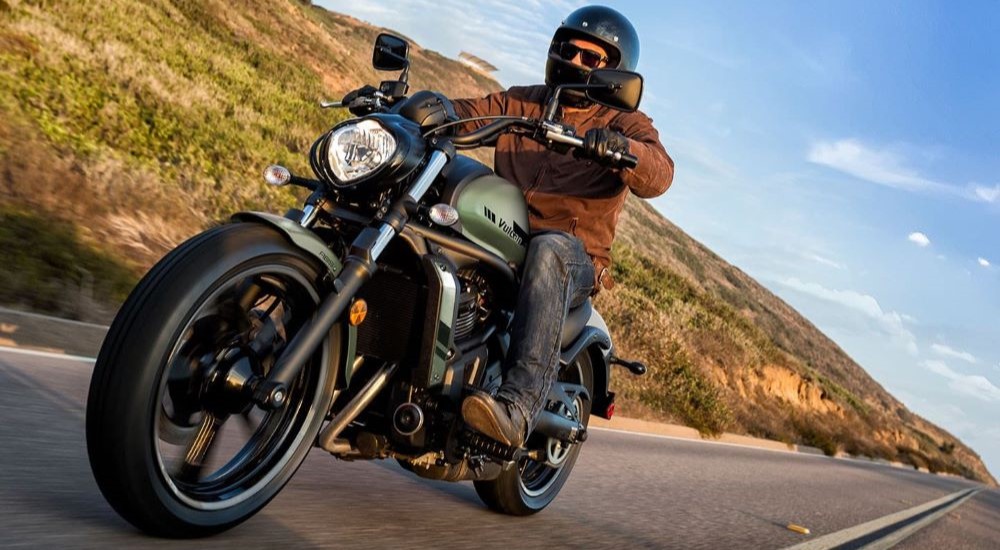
{"points": [[655, 172], [492, 105]]}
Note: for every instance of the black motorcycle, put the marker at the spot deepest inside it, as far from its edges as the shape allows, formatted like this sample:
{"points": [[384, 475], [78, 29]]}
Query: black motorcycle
{"points": [[356, 324]]}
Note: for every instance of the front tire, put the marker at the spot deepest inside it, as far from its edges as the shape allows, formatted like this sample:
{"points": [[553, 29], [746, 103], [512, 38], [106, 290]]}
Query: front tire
{"points": [[164, 397], [527, 487]]}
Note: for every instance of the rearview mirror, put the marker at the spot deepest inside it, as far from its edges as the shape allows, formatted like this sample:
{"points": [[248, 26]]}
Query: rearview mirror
{"points": [[621, 90], [390, 53]]}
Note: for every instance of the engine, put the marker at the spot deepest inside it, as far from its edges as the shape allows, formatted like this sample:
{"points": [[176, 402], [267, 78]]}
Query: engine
{"points": [[475, 304]]}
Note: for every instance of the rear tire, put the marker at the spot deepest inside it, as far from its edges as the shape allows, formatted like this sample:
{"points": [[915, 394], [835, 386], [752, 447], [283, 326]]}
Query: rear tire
{"points": [[527, 487], [135, 411]]}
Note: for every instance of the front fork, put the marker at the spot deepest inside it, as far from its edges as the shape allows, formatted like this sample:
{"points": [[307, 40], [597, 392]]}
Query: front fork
{"points": [[272, 392]]}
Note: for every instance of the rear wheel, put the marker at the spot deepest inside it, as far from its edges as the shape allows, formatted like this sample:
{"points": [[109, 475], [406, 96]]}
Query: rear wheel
{"points": [[528, 486], [176, 444]]}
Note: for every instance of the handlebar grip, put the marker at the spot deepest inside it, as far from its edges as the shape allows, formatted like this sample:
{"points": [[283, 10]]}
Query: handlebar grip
{"points": [[623, 160], [629, 161]]}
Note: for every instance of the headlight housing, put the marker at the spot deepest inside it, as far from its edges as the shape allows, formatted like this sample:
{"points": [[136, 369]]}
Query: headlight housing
{"points": [[382, 147], [358, 150]]}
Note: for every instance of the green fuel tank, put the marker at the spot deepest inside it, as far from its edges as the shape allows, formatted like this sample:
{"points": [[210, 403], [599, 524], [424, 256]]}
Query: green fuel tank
{"points": [[492, 212]]}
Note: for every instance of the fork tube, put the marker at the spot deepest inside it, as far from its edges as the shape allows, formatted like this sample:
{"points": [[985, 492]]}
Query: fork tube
{"points": [[272, 392]]}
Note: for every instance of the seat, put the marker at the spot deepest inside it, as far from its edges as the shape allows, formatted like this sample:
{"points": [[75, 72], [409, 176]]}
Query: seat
{"points": [[576, 320]]}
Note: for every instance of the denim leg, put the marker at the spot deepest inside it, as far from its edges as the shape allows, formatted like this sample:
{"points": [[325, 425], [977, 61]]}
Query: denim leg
{"points": [[558, 275]]}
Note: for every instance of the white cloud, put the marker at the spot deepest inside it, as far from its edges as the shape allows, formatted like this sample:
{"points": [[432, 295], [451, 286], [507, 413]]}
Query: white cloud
{"points": [[919, 238], [987, 194], [826, 261], [890, 321], [942, 349], [968, 384], [883, 167], [889, 168], [984, 262]]}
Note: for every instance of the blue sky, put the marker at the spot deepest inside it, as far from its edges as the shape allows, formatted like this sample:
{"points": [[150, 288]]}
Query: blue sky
{"points": [[846, 155]]}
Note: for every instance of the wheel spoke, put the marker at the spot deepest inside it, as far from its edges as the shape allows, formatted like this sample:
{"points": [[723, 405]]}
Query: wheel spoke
{"points": [[231, 308], [199, 450], [249, 291]]}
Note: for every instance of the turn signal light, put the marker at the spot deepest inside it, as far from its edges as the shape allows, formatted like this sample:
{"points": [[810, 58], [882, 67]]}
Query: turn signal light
{"points": [[277, 175], [359, 309], [444, 214]]}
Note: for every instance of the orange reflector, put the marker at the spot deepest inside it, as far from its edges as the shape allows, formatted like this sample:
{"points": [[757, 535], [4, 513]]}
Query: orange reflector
{"points": [[358, 312]]}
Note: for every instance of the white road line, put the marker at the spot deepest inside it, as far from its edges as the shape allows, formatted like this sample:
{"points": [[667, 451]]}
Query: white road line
{"points": [[844, 536], [47, 354], [897, 536]]}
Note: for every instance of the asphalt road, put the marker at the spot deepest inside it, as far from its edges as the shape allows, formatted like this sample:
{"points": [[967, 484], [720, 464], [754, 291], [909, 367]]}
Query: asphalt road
{"points": [[627, 491]]}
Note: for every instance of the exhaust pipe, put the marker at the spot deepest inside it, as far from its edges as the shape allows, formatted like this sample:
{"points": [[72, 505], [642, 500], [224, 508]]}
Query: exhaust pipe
{"points": [[328, 437], [559, 427]]}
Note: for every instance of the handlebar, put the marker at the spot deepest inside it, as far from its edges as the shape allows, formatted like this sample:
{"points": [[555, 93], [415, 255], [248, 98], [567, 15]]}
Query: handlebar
{"points": [[473, 138], [543, 131]]}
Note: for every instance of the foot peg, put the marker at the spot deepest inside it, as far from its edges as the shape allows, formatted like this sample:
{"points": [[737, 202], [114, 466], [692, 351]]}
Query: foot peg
{"points": [[479, 444], [635, 367]]}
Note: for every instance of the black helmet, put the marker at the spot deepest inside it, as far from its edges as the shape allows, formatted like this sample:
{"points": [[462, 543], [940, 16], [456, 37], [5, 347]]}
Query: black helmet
{"points": [[599, 24]]}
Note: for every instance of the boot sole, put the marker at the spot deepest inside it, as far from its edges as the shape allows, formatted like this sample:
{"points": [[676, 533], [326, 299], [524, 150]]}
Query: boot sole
{"points": [[480, 417]]}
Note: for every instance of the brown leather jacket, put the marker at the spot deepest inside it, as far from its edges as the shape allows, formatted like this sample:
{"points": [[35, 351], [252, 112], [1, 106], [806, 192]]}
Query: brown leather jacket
{"points": [[563, 192]]}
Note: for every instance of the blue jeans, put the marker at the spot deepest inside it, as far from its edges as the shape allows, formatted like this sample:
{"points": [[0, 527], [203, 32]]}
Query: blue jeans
{"points": [[558, 276]]}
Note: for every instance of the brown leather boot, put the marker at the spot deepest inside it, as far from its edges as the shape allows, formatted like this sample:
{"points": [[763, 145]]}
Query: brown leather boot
{"points": [[497, 420]]}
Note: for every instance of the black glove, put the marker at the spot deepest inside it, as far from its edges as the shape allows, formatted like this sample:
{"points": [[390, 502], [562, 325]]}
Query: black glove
{"points": [[364, 91], [600, 143]]}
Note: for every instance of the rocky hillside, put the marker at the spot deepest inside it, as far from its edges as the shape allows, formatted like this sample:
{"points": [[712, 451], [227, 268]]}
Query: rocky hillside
{"points": [[127, 125]]}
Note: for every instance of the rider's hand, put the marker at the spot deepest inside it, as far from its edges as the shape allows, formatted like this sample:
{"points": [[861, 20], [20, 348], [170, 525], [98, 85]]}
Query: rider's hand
{"points": [[364, 91], [600, 143]]}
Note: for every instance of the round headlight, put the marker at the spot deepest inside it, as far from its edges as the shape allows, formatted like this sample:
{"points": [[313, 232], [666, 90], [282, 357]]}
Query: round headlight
{"points": [[359, 149]]}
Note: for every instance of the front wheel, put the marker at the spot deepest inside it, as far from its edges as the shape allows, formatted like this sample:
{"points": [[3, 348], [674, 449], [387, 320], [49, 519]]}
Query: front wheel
{"points": [[528, 486], [176, 444]]}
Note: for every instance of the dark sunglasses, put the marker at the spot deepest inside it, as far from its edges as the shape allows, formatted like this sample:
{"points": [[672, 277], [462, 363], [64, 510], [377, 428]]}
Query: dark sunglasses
{"points": [[588, 58]]}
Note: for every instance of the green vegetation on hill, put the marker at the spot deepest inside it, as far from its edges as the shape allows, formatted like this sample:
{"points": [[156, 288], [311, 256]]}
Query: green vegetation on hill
{"points": [[127, 125], [166, 88], [52, 270]]}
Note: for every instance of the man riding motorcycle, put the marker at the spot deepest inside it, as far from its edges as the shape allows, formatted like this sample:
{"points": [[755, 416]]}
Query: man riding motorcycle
{"points": [[573, 206]]}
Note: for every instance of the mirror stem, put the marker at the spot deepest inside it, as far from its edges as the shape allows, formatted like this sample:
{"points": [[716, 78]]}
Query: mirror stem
{"points": [[550, 109]]}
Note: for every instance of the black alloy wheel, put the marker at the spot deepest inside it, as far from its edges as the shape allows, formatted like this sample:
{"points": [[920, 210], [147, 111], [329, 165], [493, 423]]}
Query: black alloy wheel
{"points": [[528, 486]]}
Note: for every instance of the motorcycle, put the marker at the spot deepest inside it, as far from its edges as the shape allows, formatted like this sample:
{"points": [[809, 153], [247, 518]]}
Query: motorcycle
{"points": [[356, 324]]}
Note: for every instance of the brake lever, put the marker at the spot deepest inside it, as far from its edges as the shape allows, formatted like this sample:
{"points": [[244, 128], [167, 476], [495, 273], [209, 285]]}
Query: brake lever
{"points": [[374, 100]]}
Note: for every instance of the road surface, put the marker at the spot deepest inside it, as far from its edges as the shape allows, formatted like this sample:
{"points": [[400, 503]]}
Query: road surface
{"points": [[627, 491]]}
